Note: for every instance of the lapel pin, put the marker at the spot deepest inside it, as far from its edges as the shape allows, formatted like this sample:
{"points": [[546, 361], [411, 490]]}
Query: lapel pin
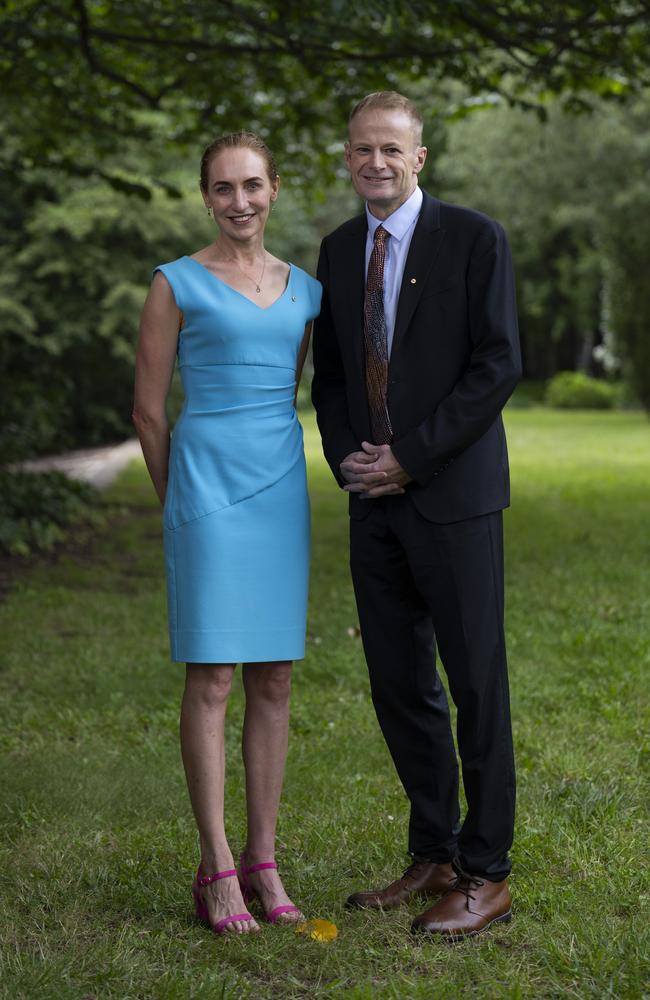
{"points": [[413, 281]]}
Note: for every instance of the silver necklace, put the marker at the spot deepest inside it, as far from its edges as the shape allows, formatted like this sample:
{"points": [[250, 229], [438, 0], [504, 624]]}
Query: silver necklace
{"points": [[257, 284]]}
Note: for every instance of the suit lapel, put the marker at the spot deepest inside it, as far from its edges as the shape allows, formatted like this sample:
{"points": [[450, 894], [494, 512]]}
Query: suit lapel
{"points": [[423, 251], [352, 278]]}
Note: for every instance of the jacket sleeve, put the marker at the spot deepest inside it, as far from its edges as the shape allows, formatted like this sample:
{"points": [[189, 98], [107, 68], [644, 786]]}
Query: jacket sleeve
{"points": [[328, 391], [493, 369]]}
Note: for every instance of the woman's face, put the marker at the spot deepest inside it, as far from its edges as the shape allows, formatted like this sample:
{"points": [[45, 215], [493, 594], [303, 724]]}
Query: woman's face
{"points": [[240, 192]]}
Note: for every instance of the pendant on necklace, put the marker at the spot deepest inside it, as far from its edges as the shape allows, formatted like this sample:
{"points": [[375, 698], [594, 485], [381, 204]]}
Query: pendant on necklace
{"points": [[258, 289]]}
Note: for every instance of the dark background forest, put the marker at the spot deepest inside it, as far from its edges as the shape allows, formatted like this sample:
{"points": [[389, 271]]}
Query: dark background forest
{"points": [[536, 113]]}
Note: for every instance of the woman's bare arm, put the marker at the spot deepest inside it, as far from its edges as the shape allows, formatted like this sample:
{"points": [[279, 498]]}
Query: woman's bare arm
{"points": [[157, 344]]}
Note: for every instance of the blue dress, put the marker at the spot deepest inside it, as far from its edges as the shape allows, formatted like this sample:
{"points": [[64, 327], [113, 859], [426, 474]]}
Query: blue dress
{"points": [[236, 515]]}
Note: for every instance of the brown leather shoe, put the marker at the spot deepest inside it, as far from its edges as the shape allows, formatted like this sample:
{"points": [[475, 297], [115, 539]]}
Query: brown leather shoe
{"points": [[421, 878], [469, 907]]}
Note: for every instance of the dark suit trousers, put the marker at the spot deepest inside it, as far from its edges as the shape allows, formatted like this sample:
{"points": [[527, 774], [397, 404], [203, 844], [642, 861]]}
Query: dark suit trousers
{"points": [[417, 584]]}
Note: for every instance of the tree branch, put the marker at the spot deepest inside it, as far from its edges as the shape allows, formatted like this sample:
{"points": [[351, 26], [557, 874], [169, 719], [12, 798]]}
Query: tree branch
{"points": [[95, 65]]}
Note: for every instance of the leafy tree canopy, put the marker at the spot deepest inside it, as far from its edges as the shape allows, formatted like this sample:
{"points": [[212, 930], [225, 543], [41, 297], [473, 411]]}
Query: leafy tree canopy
{"points": [[570, 193], [80, 75]]}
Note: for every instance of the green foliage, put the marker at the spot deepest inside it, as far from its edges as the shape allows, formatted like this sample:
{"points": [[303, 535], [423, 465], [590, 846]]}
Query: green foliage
{"points": [[577, 391], [72, 294], [529, 392], [30, 413], [625, 246], [36, 510], [570, 193], [99, 72]]}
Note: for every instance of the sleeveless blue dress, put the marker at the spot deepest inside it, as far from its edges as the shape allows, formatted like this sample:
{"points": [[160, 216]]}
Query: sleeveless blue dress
{"points": [[236, 516]]}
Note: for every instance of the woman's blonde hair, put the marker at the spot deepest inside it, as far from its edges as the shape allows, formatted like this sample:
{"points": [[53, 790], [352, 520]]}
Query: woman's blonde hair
{"points": [[237, 140]]}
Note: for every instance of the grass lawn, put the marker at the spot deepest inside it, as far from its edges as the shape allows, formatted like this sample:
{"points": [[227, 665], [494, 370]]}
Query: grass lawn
{"points": [[98, 843]]}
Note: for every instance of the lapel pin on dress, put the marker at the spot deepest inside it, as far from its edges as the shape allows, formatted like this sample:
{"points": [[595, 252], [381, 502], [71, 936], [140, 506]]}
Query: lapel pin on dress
{"points": [[413, 281]]}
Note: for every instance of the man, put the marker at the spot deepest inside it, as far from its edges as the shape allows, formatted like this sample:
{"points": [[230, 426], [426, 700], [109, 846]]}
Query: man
{"points": [[415, 354]]}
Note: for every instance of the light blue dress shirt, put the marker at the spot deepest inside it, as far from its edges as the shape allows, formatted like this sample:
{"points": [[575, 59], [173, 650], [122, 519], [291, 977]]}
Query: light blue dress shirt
{"points": [[400, 225]]}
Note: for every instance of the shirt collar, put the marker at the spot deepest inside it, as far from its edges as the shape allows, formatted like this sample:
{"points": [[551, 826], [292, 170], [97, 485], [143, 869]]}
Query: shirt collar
{"points": [[401, 220]]}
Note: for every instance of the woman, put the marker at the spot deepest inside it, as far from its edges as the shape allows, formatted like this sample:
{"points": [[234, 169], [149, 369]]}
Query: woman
{"points": [[236, 513]]}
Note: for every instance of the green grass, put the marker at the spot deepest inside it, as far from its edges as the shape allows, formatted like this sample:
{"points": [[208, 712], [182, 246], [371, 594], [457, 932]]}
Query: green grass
{"points": [[98, 846]]}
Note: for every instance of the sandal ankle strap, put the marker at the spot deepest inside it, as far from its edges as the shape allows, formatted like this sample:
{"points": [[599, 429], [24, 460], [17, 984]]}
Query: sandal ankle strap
{"points": [[247, 869], [208, 879]]}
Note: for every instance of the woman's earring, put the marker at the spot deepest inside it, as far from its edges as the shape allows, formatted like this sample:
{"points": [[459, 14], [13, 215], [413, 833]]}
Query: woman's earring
{"points": [[209, 210]]}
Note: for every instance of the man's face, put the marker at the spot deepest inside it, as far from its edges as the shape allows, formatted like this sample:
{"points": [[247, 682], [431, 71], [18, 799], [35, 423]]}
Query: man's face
{"points": [[384, 158]]}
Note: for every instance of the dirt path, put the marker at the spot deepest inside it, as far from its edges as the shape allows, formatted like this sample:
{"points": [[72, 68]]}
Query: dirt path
{"points": [[97, 466]]}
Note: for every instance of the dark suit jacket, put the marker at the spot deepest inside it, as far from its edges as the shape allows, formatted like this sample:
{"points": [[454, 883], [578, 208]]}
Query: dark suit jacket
{"points": [[454, 361]]}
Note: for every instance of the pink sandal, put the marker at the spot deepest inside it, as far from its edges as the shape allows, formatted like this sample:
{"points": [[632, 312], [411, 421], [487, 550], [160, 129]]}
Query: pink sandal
{"points": [[249, 893], [202, 910]]}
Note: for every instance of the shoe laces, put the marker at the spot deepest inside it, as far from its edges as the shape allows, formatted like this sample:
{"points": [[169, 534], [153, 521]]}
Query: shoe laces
{"points": [[412, 870], [465, 883]]}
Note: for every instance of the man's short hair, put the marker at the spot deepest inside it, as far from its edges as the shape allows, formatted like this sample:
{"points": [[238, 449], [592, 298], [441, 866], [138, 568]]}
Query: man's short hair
{"points": [[390, 100]]}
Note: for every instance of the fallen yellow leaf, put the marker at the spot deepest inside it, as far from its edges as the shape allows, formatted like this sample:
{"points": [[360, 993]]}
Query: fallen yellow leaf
{"points": [[318, 930]]}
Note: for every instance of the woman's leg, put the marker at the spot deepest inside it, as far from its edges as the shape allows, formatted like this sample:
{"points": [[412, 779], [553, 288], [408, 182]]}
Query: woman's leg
{"points": [[264, 747], [203, 713]]}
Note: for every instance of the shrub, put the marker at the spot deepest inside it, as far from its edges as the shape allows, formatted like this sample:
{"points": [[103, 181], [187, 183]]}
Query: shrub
{"points": [[37, 508], [529, 392], [30, 416], [577, 391]]}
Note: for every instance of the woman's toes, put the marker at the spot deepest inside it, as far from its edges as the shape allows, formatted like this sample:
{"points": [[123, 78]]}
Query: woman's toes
{"points": [[220, 907], [245, 926]]}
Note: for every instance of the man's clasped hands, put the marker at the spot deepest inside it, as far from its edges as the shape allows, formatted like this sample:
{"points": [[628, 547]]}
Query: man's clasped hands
{"points": [[373, 472]]}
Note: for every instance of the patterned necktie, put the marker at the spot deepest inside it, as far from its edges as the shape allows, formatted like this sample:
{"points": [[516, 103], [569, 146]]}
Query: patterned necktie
{"points": [[374, 332]]}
